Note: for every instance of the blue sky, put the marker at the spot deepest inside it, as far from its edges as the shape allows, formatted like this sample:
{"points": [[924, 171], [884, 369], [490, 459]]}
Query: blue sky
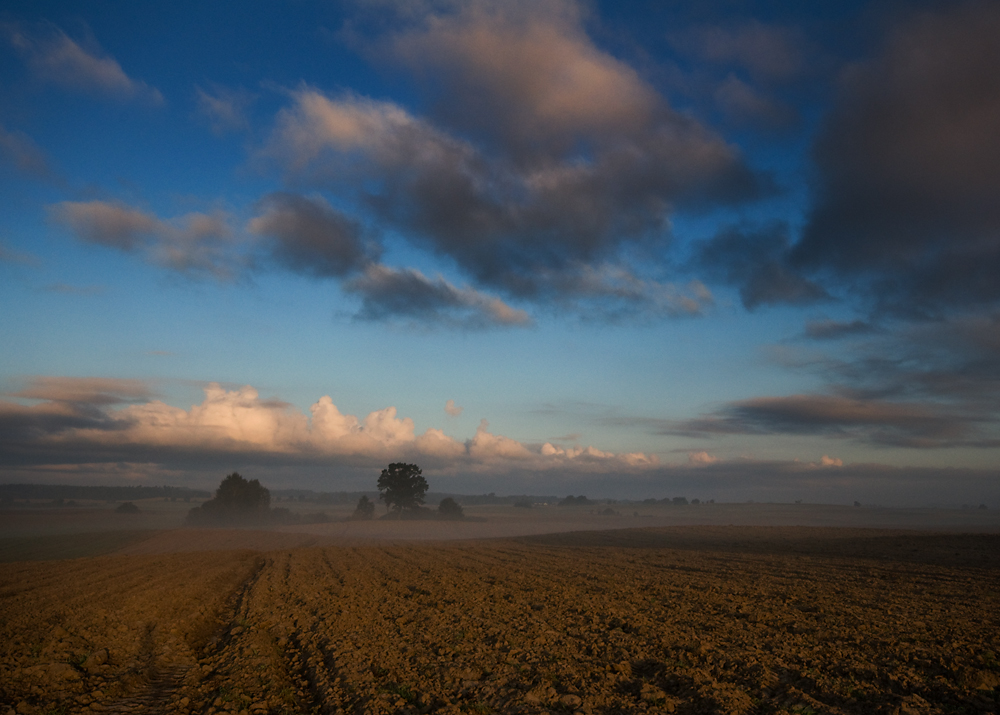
{"points": [[733, 251]]}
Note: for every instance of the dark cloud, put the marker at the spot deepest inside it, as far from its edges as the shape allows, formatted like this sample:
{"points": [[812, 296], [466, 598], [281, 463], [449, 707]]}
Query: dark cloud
{"points": [[50, 431], [755, 260], [744, 105], [312, 237], [923, 384], [873, 421], [767, 52], [388, 293], [86, 390], [549, 157], [835, 329], [510, 228], [908, 200], [195, 243], [954, 361]]}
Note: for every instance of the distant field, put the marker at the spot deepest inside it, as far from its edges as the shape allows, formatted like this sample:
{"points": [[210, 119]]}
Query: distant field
{"points": [[703, 619], [68, 546]]}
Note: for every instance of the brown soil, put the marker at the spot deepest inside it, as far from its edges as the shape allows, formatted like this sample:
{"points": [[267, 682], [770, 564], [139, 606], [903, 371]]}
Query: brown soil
{"points": [[684, 619]]}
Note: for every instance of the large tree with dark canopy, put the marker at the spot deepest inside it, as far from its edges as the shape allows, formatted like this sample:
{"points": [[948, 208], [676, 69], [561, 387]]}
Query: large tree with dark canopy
{"points": [[237, 500], [402, 486]]}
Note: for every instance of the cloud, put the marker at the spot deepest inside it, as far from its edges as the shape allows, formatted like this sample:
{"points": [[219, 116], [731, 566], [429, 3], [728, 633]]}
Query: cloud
{"points": [[193, 243], [21, 151], [9, 255], [452, 409], [84, 420], [835, 329], [755, 259], [526, 232], [826, 461], [86, 390], [699, 459], [768, 52], [538, 79], [224, 109], [907, 205], [742, 104], [57, 58], [547, 161], [389, 293], [305, 235], [313, 238], [903, 424]]}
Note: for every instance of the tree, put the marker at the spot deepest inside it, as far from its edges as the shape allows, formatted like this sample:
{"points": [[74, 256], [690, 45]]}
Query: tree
{"points": [[450, 509], [127, 508], [365, 509], [236, 501], [402, 486]]}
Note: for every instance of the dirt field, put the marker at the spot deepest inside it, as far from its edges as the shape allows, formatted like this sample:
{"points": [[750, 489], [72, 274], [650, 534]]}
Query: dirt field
{"points": [[709, 619]]}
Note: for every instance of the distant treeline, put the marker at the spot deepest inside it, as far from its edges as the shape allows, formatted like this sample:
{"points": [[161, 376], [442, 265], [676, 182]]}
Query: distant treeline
{"points": [[67, 491], [308, 495]]}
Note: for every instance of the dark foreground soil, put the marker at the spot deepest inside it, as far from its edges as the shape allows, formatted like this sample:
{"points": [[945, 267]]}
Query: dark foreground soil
{"points": [[684, 620]]}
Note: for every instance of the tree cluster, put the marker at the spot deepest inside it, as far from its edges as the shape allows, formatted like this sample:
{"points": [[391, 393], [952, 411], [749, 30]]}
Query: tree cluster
{"points": [[237, 502], [402, 487]]}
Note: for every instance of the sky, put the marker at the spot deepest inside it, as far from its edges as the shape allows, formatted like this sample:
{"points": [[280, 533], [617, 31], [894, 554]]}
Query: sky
{"points": [[732, 251]]}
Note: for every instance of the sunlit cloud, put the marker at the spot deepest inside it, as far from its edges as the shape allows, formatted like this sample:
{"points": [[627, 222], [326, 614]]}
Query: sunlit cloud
{"points": [[81, 419], [452, 409], [701, 458]]}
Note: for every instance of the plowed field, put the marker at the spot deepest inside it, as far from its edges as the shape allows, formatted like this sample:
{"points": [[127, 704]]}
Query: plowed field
{"points": [[686, 620]]}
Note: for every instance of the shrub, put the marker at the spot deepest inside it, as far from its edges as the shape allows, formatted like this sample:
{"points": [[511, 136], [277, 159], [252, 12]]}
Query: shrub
{"points": [[365, 509], [126, 508], [450, 509], [523, 504]]}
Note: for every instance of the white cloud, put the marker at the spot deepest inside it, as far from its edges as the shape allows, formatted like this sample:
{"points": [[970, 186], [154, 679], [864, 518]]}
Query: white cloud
{"points": [[82, 414], [452, 409], [826, 461], [486, 447]]}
